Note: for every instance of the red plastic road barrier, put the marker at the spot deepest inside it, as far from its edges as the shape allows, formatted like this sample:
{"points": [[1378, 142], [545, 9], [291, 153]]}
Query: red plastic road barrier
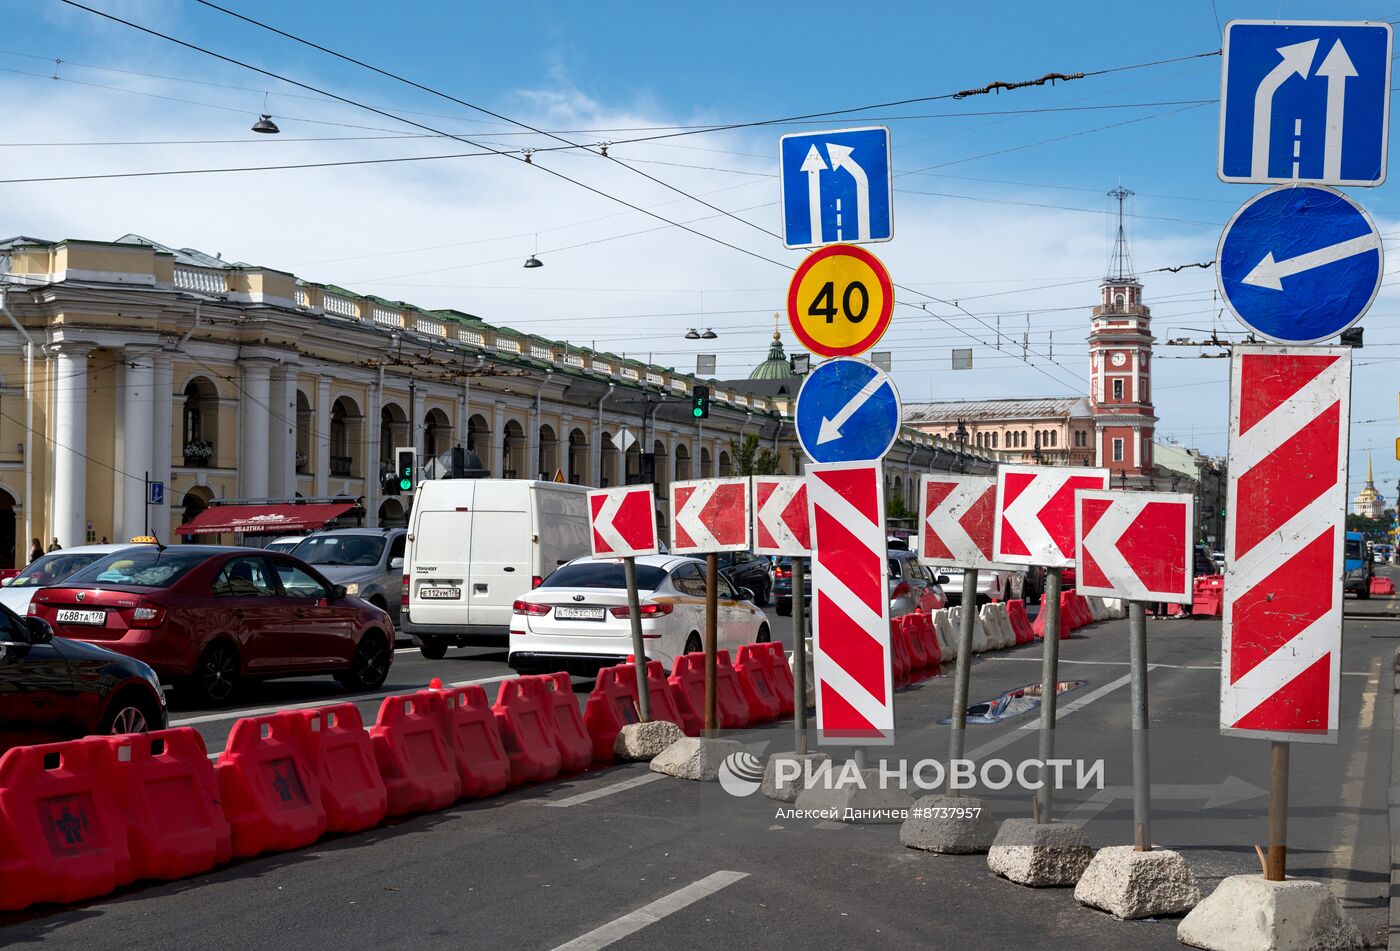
{"points": [[1020, 622], [690, 722], [1069, 611], [688, 682], [918, 649], [611, 705], [733, 709], [570, 735], [1038, 628], [925, 633], [65, 834], [475, 741], [170, 795], [899, 652], [410, 746], [751, 665], [525, 717], [1208, 594], [1382, 586], [269, 788], [663, 697], [782, 678], [342, 753]]}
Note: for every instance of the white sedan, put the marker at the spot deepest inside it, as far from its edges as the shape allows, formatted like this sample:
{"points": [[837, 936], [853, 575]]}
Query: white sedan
{"points": [[578, 619]]}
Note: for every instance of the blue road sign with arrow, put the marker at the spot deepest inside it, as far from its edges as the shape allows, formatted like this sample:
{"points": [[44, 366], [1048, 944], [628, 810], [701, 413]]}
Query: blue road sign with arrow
{"points": [[847, 411], [1300, 263], [1305, 102], [836, 187]]}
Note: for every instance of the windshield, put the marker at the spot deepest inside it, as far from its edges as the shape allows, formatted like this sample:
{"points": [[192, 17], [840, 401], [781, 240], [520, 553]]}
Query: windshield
{"points": [[53, 568], [148, 567], [361, 550], [603, 574], [1353, 549]]}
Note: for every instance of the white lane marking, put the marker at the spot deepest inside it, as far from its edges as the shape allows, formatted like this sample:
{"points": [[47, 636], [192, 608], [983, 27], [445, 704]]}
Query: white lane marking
{"points": [[651, 913], [608, 790], [1352, 789], [1025, 729]]}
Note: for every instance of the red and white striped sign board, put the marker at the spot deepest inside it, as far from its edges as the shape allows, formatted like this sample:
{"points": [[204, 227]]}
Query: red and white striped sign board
{"points": [[1035, 513], [1282, 650], [709, 515], [957, 515], [851, 605], [623, 521], [1135, 545], [780, 525]]}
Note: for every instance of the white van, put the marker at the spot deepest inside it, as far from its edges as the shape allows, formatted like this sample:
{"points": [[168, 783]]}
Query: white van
{"points": [[475, 545]]}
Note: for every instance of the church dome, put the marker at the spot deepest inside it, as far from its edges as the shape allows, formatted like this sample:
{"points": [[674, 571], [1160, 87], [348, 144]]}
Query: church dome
{"points": [[776, 367]]}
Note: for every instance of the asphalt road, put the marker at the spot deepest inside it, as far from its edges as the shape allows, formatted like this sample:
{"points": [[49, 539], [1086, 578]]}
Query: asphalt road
{"points": [[661, 862]]}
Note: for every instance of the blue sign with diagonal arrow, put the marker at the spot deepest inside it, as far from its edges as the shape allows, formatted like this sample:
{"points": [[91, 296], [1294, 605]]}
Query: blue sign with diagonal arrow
{"points": [[1299, 264], [847, 411]]}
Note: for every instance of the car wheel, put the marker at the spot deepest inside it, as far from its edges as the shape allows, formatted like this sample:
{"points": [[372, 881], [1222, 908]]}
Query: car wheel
{"points": [[764, 636], [763, 596], [380, 603], [370, 666], [216, 675], [127, 714], [433, 648], [1363, 593], [693, 644]]}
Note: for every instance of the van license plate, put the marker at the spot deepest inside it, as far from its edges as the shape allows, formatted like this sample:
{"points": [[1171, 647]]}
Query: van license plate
{"points": [[440, 594], [567, 613], [82, 617]]}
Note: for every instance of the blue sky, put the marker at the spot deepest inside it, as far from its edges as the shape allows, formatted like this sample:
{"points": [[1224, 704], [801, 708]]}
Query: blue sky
{"points": [[1004, 212]]}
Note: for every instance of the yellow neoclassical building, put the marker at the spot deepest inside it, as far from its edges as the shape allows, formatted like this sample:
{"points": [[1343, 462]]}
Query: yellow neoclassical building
{"points": [[126, 363]]}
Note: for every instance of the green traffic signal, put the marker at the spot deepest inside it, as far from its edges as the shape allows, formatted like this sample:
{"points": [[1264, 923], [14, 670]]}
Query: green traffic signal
{"points": [[700, 402], [405, 484]]}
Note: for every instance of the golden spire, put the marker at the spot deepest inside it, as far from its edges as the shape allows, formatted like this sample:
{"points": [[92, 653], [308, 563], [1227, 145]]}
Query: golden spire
{"points": [[1369, 478]]}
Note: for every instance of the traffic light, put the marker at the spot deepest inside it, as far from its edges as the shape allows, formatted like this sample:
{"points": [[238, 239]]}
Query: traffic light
{"points": [[404, 459], [700, 401]]}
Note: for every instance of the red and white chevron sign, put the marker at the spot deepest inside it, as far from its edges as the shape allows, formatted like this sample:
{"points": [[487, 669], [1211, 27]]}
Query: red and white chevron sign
{"points": [[780, 525], [1282, 650], [851, 608], [1135, 545], [623, 521], [709, 515], [957, 514], [1035, 513]]}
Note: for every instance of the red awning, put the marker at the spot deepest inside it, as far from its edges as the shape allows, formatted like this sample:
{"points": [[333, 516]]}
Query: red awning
{"points": [[263, 519]]}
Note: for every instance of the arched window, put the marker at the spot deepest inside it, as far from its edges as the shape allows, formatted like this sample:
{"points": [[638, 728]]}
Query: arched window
{"points": [[1037, 439], [1054, 437]]}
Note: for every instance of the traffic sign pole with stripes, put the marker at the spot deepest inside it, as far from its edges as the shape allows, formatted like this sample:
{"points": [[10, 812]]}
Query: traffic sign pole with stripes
{"points": [[851, 604]]}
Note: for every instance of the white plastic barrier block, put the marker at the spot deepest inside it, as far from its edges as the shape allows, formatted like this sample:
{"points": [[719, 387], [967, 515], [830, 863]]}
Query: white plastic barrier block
{"points": [[1008, 633], [947, 635], [979, 633], [988, 618]]}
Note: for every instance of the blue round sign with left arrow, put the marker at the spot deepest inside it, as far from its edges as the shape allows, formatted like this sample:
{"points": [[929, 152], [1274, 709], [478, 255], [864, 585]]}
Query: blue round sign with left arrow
{"points": [[847, 411], [1299, 264]]}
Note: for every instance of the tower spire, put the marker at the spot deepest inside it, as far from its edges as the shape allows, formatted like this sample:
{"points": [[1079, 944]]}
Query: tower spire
{"points": [[1370, 479], [1120, 265]]}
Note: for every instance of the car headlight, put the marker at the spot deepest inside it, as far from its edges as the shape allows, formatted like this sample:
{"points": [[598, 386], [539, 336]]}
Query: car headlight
{"points": [[352, 589], [1356, 573]]}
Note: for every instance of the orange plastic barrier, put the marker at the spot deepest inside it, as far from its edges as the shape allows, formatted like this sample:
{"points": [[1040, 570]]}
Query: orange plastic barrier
{"points": [[168, 790], [1383, 587], [571, 736], [751, 666], [663, 698], [525, 717], [1208, 594], [1069, 610], [1020, 621], [782, 678], [688, 681], [918, 649], [65, 833], [342, 753], [612, 704], [729, 696], [1086, 613], [692, 721], [269, 788], [899, 652], [475, 741], [924, 631], [1038, 628], [410, 745]]}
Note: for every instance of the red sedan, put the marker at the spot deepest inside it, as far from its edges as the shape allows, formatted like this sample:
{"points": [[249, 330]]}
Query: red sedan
{"points": [[205, 617]]}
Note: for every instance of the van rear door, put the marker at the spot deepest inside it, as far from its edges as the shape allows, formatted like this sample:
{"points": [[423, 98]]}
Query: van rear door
{"points": [[441, 567]]}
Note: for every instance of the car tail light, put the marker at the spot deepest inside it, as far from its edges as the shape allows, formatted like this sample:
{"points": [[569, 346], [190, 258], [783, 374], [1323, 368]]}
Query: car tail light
{"points": [[525, 607], [536, 581], [146, 614], [781, 572], [650, 609], [901, 590], [403, 598]]}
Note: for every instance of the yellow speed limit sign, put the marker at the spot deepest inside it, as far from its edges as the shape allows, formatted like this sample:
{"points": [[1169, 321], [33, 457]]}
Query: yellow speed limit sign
{"points": [[840, 300]]}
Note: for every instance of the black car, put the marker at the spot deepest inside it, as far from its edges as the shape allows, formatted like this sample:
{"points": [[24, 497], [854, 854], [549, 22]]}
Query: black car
{"points": [[746, 570], [54, 689]]}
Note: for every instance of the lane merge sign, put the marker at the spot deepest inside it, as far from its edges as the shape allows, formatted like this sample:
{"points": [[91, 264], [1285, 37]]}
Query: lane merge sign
{"points": [[847, 411], [1299, 264], [836, 186], [1305, 101], [840, 300]]}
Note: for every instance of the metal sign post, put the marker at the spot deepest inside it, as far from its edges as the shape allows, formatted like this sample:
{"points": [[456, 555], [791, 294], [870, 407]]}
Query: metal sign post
{"points": [[962, 674], [639, 655], [799, 653], [781, 529], [1137, 672], [711, 642], [1049, 688]]}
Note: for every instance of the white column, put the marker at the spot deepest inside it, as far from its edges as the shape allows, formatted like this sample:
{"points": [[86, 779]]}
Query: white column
{"points": [[69, 518], [256, 429], [498, 440], [138, 429], [162, 427], [372, 467], [282, 464], [321, 443]]}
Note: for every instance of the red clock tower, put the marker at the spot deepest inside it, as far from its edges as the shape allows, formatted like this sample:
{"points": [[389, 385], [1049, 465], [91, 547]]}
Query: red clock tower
{"points": [[1120, 362]]}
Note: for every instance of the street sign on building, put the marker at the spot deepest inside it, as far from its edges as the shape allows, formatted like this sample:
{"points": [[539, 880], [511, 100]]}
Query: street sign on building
{"points": [[155, 493], [1281, 651], [850, 604], [1300, 263], [709, 515], [780, 525], [847, 411], [957, 517], [1304, 102], [1135, 545], [840, 300], [836, 186], [1035, 513], [623, 522]]}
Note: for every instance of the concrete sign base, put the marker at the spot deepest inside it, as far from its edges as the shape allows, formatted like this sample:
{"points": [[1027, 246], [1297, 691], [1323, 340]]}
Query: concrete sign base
{"points": [[782, 789], [1246, 912], [848, 802], [1127, 883], [1049, 855], [940, 824], [638, 742], [695, 757]]}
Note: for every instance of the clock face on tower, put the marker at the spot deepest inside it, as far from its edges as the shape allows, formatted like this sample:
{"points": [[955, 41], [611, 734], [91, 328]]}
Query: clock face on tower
{"points": [[1119, 359]]}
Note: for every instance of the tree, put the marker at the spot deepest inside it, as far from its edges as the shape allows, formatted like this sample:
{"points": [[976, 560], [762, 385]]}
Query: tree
{"points": [[749, 459], [896, 509], [1371, 529]]}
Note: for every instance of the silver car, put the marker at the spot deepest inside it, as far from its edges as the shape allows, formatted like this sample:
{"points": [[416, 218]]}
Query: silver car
{"points": [[367, 561]]}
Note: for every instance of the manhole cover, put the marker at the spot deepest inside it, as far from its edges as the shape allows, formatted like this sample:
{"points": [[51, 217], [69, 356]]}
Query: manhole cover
{"points": [[1013, 703]]}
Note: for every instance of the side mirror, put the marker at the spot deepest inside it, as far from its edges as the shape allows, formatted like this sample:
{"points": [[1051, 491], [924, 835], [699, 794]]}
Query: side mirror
{"points": [[395, 563], [746, 594], [337, 592], [941, 579], [40, 631]]}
